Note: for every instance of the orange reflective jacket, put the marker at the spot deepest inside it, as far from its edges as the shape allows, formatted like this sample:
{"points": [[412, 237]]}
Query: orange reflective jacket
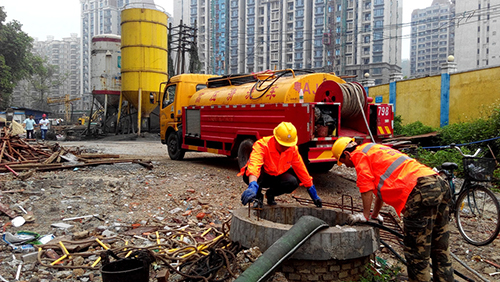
{"points": [[265, 156], [390, 174]]}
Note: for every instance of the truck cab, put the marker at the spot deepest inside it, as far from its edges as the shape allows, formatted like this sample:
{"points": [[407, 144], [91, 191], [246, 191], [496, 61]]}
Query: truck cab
{"points": [[174, 96]]}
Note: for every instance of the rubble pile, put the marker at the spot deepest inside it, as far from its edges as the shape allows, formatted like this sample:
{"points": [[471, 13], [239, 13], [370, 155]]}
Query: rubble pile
{"points": [[128, 208], [17, 155]]}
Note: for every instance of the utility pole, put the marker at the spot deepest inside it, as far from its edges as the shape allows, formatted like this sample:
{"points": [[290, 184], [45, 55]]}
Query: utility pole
{"points": [[183, 38]]}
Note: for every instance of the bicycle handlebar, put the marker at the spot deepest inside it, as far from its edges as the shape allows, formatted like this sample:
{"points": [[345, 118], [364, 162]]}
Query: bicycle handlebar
{"points": [[464, 155]]}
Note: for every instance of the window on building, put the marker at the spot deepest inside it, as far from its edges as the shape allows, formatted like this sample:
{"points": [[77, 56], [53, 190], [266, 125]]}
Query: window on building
{"points": [[378, 12], [366, 39], [377, 59]]}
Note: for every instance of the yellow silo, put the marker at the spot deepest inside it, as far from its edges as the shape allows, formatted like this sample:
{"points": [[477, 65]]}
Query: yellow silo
{"points": [[144, 57]]}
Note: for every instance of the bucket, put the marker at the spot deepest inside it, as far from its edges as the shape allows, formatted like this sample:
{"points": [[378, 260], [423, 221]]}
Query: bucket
{"points": [[126, 270]]}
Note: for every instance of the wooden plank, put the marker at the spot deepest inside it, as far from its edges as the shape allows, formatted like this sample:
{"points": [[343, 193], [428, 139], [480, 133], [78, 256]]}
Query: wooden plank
{"points": [[3, 149]]}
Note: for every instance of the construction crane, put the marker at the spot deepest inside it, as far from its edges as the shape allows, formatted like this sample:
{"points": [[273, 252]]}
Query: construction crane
{"points": [[63, 100]]}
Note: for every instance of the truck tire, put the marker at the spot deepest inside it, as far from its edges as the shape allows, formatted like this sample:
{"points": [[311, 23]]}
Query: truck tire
{"points": [[174, 146], [244, 151]]}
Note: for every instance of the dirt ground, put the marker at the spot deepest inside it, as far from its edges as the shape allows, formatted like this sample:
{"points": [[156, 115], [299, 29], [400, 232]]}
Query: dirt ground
{"points": [[172, 193]]}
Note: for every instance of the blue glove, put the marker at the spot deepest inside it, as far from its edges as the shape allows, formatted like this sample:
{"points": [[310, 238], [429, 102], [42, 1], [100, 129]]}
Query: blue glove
{"points": [[250, 193], [314, 196]]}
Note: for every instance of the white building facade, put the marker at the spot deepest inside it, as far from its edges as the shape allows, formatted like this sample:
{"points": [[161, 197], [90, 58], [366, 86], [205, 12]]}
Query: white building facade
{"points": [[432, 37], [477, 34]]}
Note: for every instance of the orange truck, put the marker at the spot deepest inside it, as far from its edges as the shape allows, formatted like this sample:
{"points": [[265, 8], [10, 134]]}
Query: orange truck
{"points": [[227, 114]]}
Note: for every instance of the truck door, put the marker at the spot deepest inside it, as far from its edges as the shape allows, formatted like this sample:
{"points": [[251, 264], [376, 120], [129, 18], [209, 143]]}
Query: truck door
{"points": [[167, 111]]}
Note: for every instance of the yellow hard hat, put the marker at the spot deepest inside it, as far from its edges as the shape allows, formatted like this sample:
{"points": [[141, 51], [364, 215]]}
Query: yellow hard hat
{"points": [[339, 147], [286, 134]]}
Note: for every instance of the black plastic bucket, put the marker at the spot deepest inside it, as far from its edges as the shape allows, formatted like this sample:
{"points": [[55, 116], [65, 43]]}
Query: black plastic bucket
{"points": [[127, 270]]}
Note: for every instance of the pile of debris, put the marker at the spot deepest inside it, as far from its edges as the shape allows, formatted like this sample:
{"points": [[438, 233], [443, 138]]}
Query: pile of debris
{"points": [[18, 154]]}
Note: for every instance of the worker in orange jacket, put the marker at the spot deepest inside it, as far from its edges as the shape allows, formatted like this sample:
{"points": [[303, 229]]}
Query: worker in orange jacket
{"points": [[409, 187], [275, 162]]}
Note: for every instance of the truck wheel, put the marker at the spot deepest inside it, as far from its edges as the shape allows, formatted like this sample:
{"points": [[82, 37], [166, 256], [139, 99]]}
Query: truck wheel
{"points": [[244, 151], [174, 147], [320, 167]]}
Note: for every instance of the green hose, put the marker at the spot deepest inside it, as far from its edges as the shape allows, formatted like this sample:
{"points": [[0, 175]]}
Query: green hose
{"points": [[284, 247]]}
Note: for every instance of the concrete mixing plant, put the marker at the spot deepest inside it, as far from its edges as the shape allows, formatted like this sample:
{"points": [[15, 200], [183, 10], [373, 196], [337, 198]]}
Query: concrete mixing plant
{"points": [[105, 73], [144, 58]]}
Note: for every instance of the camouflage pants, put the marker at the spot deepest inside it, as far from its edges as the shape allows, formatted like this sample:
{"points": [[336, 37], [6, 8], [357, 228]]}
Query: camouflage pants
{"points": [[426, 230]]}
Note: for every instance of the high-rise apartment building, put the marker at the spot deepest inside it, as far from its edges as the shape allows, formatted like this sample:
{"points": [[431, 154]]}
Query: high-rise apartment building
{"points": [[346, 36], [65, 54], [477, 34], [432, 37]]}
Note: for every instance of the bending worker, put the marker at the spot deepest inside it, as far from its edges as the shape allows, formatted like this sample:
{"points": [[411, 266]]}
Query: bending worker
{"points": [[412, 188], [275, 163]]}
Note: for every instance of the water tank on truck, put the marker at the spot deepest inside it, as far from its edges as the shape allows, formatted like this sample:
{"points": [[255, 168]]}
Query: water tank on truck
{"points": [[231, 112]]}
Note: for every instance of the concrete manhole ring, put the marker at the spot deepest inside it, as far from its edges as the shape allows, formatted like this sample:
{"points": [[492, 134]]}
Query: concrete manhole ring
{"points": [[340, 251]]}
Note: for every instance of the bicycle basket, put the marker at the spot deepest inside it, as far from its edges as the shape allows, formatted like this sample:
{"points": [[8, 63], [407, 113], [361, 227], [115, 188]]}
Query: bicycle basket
{"points": [[479, 169]]}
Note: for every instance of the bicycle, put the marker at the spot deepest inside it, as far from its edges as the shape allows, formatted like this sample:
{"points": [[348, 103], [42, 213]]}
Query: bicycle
{"points": [[476, 208]]}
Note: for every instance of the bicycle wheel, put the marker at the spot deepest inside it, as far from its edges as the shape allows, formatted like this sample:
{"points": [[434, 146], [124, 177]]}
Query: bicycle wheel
{"points": [[478, 215]]}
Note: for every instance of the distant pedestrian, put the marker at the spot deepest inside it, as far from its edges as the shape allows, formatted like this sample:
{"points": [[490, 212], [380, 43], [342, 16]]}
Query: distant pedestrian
{"points": [[44, 126], [29, 125]]}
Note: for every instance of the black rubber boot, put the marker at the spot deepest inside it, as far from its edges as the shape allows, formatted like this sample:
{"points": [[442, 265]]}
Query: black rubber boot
{"points": [[270, 200], [259, 201]]}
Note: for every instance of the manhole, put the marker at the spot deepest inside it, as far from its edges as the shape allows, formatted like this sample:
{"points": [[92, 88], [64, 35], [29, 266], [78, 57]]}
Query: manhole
{"points": [[337, 253]]}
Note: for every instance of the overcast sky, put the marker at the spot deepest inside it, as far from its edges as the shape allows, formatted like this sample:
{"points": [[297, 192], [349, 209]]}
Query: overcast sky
{"points": [[60, 18]]}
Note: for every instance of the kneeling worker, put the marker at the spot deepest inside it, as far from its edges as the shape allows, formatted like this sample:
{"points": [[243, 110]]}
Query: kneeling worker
{"points": [[412, 188], [275, 163]]}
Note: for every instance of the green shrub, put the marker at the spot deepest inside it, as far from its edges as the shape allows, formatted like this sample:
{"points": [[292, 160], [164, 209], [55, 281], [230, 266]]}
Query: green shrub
{"points": [[416, 128], [398, 125], [434, 159]]}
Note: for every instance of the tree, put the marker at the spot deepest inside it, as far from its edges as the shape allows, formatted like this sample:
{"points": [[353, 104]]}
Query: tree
{"points": [[43, 78], [15, 48]]}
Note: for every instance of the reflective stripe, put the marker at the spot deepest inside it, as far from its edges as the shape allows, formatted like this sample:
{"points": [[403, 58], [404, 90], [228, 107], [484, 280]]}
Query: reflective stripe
{"points": [[367, 148], [388, 173]]}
